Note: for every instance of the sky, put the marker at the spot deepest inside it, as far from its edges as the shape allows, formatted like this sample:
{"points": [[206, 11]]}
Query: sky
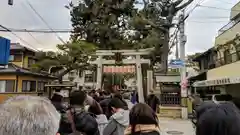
{"points": [[201, 26]]}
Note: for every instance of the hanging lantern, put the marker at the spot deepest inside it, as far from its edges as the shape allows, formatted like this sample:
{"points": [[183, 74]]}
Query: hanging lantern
{"points": [[118, 58]]}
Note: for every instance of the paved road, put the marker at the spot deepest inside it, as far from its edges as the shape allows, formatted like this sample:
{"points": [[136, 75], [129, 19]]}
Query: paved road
{"points": [[168, 124]]}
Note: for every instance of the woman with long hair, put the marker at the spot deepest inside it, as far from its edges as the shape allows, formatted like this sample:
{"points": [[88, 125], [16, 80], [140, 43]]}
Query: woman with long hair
{"points": [[142, 120], [101, 118]]}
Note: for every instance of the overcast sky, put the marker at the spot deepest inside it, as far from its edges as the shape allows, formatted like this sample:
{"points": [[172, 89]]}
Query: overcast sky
{"points": [[201, 28]]}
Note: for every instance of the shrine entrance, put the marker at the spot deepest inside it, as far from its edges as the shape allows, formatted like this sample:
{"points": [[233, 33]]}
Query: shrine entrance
{"points": [[122, 59]]}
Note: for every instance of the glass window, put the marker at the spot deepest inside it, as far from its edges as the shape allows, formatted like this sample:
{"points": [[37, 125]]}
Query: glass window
{"points": [[7, 85], [41, 86], [28, 86], [11, 57], [17, 58], [31, 62]]}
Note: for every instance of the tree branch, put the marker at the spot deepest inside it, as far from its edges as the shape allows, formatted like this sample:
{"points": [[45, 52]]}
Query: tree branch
{"points": [[177, 2], [184, 5]]}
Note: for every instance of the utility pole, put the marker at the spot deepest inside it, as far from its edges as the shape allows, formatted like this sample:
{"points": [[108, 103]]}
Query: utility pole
{"points": [[183, 40], [177, 49]]}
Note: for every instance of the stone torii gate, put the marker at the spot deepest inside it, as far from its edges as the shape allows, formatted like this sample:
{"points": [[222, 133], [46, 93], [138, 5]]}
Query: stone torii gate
{"points": [[100, 61]]}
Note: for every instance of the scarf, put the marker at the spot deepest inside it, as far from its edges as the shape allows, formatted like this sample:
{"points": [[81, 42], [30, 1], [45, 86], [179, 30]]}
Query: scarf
{"points": [[142, 128]]}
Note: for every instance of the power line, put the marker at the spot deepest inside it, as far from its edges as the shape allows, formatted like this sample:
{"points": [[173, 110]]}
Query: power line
{"points": [[38, 30], [191, 11], [208, 21], [17, 36], [217, 8], [225, 2], [35, 11], [35, 38]]}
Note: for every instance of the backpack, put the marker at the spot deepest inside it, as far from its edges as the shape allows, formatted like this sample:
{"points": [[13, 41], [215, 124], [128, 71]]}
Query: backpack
{"points": [[83, 123]]}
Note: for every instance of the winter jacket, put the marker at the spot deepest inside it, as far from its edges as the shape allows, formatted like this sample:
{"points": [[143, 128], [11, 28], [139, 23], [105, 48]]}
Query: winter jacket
{"points": [[153, 102], [141, 129], [117, 123], [104, 104], [84, 122], [102, 122]]}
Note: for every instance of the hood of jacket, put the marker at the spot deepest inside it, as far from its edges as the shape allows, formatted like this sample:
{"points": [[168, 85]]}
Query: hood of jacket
{"points": [[101, 119], [122, 117]]}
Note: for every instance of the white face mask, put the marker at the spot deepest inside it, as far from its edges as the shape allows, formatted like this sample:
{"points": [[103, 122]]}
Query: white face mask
{"points": [[86, 107]]}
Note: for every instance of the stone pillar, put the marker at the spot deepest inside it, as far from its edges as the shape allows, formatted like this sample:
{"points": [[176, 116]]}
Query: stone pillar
{"points": [[139, 79], [99, 72], [149, 81]]}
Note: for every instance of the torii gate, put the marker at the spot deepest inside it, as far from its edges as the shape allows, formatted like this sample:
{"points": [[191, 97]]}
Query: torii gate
{"points": [[137, 61]]}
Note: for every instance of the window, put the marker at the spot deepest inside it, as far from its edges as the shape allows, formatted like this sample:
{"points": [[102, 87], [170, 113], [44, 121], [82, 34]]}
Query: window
{"points": [[88, 78], [30, 62], [17, 58], [7, 85], [40, 86], [28, 86], [11, 57], [227, 57]]}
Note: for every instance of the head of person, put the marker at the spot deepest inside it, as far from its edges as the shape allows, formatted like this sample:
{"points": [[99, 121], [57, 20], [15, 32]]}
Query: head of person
{"points": [[28, 115], [77, 98], [57, 98], [203, 107], [223, 119], [142, 114], [118, 95], [95, 109], [115, 104]]}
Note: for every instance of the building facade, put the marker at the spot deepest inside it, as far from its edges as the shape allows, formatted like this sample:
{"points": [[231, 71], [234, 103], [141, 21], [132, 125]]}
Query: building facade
{"points": [[17, 78], [222, 62]]}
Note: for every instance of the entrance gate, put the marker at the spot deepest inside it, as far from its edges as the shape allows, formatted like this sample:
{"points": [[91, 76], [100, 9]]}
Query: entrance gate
{"points": [[135, 60]]}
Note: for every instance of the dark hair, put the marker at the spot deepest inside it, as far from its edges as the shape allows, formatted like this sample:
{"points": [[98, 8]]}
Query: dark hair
{"points": [[204, 107], [95, 108], [106, 93], [57, 98], [77, 97], [142, 114], [223, 119], [119, 96], [116, 103]]}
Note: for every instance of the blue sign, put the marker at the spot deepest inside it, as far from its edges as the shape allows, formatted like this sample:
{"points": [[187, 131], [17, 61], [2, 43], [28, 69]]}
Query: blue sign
{"points": [[176, 64], [4, 51]]}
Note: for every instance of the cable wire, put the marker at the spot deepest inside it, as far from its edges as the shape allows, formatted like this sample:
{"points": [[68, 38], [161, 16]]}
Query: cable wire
{"points": [[35, 38], [38, 30], [225, 2], [217, 8], [35, 11], [17, 36]]}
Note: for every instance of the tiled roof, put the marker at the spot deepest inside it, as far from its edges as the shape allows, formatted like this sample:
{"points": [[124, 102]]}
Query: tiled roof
{"points": [[18, 46], [14, 69]]}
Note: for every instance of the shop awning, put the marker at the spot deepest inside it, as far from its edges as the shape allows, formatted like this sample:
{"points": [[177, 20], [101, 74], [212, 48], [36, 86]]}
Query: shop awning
{"points": [[216, 82]]}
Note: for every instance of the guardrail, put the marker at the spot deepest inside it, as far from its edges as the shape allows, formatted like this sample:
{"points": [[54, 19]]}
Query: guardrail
{"points": [[170, 99]]}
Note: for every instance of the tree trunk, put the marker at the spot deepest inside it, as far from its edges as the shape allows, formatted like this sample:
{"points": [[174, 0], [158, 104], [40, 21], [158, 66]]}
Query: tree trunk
{"points": [[164, 56], [60, 76]]}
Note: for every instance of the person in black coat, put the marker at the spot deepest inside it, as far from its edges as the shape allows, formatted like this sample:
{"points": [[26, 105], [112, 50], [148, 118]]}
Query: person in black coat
{"points": [[142, 121], [78, 119]]}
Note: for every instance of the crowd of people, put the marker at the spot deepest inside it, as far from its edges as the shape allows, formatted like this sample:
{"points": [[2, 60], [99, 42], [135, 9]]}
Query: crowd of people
{"points": [[102, 113]]}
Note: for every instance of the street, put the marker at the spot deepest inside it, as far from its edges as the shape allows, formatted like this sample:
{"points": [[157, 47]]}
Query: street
{"points": [[170, 126]]}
